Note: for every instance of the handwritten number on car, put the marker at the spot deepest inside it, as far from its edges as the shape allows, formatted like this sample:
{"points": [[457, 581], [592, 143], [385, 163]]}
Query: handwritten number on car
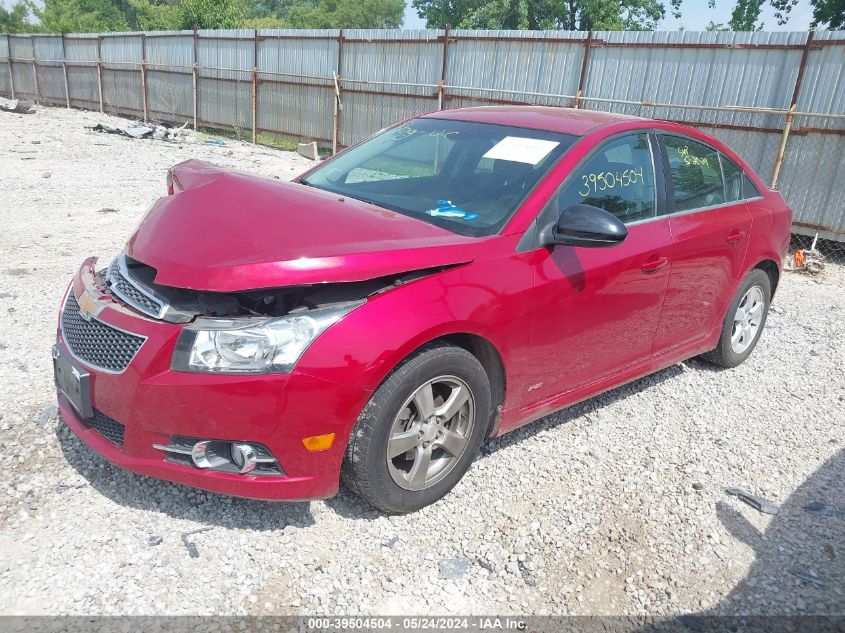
{"points": [[603, 180]]}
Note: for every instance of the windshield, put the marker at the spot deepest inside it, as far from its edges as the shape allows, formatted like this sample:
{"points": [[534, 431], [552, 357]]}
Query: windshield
{"points": [[466, 177]]}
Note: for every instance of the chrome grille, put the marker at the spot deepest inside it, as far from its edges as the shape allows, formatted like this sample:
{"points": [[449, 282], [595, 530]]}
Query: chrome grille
{"points": [[127, 290], [96, 343]]}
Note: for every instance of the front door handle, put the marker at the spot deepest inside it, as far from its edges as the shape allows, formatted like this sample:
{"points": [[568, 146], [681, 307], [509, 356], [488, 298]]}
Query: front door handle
{"points": [[653, 264], [735, 237]]}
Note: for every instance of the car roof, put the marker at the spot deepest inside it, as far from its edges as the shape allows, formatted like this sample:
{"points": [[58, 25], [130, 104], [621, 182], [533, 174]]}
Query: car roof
{"points": [[552, 119]]}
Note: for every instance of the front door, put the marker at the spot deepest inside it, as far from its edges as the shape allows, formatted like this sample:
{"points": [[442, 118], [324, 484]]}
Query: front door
{"points": [[596, 309]]}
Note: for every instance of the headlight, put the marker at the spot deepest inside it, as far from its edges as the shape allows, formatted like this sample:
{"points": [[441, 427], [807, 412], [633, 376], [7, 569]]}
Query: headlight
{"points": [[251, 345]]}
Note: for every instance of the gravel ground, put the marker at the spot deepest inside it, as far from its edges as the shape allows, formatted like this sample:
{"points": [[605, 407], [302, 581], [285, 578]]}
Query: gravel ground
{"points": [[616, 506]]}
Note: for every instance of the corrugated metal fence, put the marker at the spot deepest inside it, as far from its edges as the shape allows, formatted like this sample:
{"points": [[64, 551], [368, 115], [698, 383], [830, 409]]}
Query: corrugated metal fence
{"points": [[777, 98]]}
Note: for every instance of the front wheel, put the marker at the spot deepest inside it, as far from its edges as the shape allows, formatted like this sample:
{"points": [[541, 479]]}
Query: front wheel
{"points": [[420, 431], [744, 321]]}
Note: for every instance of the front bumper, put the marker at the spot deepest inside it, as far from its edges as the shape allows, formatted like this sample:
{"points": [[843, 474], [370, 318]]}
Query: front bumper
{"points": [[154, 403]]}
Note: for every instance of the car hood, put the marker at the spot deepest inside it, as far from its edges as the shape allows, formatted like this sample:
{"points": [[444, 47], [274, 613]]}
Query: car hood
{"points": [[227, 231]]}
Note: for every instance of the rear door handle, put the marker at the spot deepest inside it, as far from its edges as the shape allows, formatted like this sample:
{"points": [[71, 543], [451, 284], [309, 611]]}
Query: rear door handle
{"points": [[735, 237], [654, 263]]}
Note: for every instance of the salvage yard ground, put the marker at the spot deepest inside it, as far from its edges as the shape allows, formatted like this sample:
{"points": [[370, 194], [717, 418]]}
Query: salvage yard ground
{"points": [[616, 506]]}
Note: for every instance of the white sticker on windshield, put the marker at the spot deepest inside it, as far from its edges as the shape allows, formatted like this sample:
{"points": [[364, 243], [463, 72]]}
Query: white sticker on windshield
{"points": [[521, 150]]}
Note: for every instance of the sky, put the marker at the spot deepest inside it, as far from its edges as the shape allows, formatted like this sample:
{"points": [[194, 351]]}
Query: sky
{"points": [[696, 16]]}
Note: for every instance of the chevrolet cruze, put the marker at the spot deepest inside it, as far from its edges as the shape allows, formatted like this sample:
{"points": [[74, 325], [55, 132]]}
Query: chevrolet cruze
{"points": [[445, 281]]}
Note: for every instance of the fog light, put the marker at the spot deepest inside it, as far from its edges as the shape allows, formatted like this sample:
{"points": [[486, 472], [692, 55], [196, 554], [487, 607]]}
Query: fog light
{"points": [[221, 455], [204, 455], [244, 458]]}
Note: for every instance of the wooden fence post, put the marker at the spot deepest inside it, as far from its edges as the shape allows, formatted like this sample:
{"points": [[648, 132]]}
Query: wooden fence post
{"points": [[194, 92], [254, 104], [582, 77], [336, 113], [782, 147], [144, 74], [196, 82], [11, 72], [35, 70], [790, 115], [64, 71], [337, 108], [441, 87], [254, 86], [100, 71]]}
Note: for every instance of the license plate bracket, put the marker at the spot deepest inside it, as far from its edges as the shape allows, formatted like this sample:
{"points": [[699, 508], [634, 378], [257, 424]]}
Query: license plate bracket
{"points": [[74, 383]]}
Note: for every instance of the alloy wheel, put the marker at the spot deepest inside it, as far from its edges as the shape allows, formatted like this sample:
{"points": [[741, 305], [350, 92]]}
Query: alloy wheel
{"points": [[430, 433], [747, 319]]}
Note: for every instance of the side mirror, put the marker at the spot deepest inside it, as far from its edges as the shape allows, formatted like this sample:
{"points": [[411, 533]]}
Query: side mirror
{"points": [[585, 225]]}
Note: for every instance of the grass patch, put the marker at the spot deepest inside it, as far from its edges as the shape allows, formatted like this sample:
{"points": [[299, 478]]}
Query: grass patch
{"points": [[399, 167], [267, 140]]}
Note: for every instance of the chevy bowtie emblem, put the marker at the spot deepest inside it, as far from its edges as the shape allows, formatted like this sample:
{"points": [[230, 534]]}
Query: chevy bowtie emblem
{"points": [[89, 306]]}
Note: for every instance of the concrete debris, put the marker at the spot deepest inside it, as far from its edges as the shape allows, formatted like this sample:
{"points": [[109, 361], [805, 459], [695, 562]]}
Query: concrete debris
{"points": [[453, 568], [17, 106], [144, 130], [309, 150]]}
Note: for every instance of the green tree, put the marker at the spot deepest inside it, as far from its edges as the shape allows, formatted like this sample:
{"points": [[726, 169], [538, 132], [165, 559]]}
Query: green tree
{"points": [[96, 16], [265, 22], [210, 14], [349, 14], [716, 26], [16, 19], [829, 13], [745, 15], [581, 15], [80, 16]]}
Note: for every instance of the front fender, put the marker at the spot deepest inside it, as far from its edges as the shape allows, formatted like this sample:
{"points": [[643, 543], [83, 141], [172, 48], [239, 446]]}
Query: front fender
{"points": [[484, 298]]}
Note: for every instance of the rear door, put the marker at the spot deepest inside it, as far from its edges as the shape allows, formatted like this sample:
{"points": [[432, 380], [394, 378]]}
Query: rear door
{"points": [[710, 225], [595, 310]]}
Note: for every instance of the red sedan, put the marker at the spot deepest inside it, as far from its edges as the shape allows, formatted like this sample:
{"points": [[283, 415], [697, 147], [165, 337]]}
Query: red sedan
{"points": [[445, 281]]}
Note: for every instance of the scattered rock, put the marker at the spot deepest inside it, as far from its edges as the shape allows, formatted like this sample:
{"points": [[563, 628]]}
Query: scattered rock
{"points": [[47, 413], [453, 568]]}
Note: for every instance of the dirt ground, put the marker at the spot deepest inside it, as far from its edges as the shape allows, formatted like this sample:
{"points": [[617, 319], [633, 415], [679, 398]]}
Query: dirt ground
{"points": [[615, 506]]}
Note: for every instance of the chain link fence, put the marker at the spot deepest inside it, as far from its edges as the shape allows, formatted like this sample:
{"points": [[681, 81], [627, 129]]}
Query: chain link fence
{"points": [[810, 253]]}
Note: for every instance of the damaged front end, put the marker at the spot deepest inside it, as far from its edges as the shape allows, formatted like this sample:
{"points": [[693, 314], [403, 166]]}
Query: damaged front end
{"points": [[251, 331]]}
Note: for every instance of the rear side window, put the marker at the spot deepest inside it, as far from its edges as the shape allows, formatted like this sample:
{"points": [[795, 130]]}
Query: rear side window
{"points": [[618, 178], [749, 190], [696, 173], [733, 180]]}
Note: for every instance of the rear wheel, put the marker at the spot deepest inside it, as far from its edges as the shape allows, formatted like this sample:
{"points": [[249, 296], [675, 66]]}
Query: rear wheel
{"points": [[420, 431], [744, 322]]}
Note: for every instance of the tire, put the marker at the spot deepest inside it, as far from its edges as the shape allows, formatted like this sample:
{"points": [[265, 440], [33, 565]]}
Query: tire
{"points": [[401, 415], [731, 352]]}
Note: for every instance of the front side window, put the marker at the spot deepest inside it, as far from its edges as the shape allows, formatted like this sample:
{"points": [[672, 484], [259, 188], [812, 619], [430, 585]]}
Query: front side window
{"points": [[618, 177], [695, 172], [466, 177]]}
